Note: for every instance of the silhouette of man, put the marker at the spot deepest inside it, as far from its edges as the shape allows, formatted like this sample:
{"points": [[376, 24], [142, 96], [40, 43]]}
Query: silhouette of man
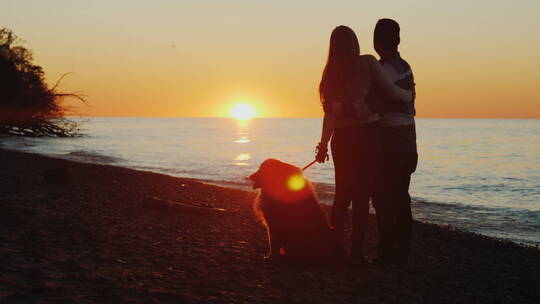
{"points": [[399, 155]]}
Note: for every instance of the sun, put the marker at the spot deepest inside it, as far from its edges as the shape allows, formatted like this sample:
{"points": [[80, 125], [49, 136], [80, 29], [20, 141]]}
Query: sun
{"points": [[243, 111]]}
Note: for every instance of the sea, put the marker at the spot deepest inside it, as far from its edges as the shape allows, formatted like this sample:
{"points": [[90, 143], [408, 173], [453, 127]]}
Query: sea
{"points": [[479, 175]]}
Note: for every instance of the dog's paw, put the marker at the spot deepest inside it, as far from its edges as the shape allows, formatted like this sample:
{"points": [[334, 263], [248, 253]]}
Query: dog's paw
{"points": [[273, 258], [269, 258]]}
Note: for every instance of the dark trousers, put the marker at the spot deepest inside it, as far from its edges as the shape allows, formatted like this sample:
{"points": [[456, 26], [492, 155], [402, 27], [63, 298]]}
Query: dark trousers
{"points": [[393, 204], [355, 152]]}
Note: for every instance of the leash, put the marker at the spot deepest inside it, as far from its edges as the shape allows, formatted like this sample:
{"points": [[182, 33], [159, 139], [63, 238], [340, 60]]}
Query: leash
{"points": [[310, 164], [317, 150]]}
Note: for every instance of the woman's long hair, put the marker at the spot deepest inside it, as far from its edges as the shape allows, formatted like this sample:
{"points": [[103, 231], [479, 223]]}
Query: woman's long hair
{"points": [[340, 72]]}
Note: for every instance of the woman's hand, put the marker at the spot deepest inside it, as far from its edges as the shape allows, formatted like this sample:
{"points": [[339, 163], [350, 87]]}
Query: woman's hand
{"points": [[322, 153]]}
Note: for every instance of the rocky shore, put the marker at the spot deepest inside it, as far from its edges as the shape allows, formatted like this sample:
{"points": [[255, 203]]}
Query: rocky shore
{"points": [[74, 232]]}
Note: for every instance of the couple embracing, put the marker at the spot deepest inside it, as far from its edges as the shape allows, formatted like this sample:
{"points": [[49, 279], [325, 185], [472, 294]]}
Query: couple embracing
{"points": [[369, 123]]}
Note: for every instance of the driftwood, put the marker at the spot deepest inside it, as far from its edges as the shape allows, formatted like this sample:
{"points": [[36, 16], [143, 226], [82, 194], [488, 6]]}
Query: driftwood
{"points": [[46, 128], [158, 204]]}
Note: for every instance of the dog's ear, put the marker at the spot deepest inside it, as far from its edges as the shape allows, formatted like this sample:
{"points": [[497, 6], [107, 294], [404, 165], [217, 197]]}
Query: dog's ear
{"points": [[256, 179]]}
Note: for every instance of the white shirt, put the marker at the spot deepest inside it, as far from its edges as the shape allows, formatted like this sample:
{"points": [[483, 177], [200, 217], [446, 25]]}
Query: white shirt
{"points": [[394, 119]]}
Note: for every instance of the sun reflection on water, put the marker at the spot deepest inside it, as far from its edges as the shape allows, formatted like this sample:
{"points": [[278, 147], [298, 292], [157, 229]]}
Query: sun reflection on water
{"points": [[243, 156], [242, 140], [242, 137], [242, 132]]}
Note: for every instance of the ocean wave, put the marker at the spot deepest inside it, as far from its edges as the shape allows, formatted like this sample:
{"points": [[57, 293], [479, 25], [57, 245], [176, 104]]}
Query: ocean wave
{"points": [[16, 143], [518, 225], [90, 157], [163, 170], [473, 207]]}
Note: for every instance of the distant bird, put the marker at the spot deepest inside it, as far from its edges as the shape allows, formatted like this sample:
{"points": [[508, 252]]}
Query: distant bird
{"points": [[173, 46]]}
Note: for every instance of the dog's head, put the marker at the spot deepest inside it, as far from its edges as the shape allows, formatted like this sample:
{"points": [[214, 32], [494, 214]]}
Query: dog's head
{"points": [[282, 181]]}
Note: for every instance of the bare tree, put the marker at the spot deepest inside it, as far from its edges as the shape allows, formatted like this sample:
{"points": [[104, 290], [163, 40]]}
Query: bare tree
{"points": [[28, 106]]}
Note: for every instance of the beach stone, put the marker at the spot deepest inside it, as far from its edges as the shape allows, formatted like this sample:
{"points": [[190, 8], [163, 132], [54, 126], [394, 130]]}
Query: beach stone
{"points": [[57, 176], [79, 249]]}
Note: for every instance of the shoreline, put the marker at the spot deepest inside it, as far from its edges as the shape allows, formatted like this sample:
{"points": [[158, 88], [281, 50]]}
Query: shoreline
{"points": [[92, 240], [438, 213]]}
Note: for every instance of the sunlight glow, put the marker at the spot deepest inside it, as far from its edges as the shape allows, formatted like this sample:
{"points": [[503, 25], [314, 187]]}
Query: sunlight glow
{"points": [[243, 111], [296, 182], [243, 156]]}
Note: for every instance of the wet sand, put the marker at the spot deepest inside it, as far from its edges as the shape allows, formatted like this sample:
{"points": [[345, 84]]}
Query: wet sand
{"points": [[95, 240]]}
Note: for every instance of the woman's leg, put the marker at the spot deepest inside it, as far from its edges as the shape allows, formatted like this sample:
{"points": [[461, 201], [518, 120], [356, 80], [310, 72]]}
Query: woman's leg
{"points": [[337, 218], [342, 199], [367, 150], [360, 214], [341, 156]]}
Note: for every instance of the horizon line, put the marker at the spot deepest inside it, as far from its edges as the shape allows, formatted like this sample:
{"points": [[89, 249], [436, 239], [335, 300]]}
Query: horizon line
{"points": [[287, 117]]}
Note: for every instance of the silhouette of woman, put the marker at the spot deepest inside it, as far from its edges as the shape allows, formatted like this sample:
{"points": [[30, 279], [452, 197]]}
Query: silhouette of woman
{"points": [[351, 122]]}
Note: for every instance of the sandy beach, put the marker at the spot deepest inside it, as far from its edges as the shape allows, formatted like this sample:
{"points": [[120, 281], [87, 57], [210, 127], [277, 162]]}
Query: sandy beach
{"points": [[93, 239]]}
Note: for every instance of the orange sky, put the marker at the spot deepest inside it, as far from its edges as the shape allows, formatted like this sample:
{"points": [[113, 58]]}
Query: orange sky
{"points": [[199, 58]]}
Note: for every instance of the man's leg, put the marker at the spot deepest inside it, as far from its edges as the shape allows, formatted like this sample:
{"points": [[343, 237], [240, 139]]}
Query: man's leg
{"points": [[385, 223], [403, 206], [384, 208], [403, 220]]}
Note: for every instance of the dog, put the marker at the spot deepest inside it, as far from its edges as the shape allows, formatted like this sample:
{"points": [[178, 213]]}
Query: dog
{"points": [[297, 226]]}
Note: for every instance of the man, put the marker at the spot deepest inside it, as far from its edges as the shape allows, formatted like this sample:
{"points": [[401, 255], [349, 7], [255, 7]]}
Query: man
{"points": [[399, 155]]}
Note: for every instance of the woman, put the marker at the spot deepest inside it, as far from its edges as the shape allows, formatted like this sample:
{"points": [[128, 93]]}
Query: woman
{"points": [[351, 121]]}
